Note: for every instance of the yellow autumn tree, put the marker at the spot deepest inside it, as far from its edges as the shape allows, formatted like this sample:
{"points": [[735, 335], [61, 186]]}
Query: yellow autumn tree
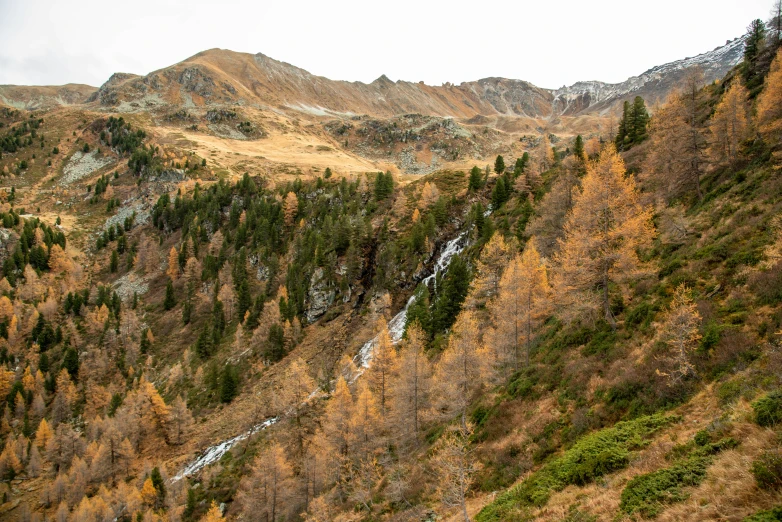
{"points": [[494, 257], [730, 123], [412, 386], [523, 303], [297, 385], [264, 493], [213, 515], [290, 208], [769, 109], [545, 154], [677, 141], [173, 264], [603, 233], [179, 420], [462, 367], [429, 195], [383, 367], [679, 329], [337, 419], [456, 468], [366, 422]]}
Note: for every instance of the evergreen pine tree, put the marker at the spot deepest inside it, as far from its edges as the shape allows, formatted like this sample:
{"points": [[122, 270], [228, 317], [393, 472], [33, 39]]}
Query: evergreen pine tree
{"points": [[578, 148], [449, 301], [753, 47], [640, 120], [499, 165], [229, 384], [170, 301], [476, 179]]}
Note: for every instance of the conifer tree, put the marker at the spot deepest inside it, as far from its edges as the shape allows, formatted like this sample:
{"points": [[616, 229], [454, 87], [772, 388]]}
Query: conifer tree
{"points": [[679, 329], [523, 302], [383, 368], [456, 468], [753, 49], [476, 179], [170, 300], [462, 367], [499, 165], [730, 123], [449, 301], [578, 148], [769, 108], [336, 422], [494, 257], [412, 385], [265, 492], [290, 208], [677, 153], [603, 234]]}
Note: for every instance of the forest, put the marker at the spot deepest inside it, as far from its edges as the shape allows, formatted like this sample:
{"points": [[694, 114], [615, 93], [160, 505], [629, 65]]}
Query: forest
{"points": [[605, 344]]}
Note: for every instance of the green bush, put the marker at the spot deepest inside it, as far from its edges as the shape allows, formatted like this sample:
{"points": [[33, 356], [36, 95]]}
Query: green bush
{"points": [[647, 494], [591, 457], [770, 515], [767, 469], [768, 409]]}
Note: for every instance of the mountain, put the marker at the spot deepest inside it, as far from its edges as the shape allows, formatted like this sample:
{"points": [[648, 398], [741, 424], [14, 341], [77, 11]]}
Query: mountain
{"points": [[218, 77]]}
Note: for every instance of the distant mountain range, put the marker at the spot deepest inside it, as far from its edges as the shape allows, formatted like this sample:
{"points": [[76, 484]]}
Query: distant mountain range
{"points": [[220, 77]]}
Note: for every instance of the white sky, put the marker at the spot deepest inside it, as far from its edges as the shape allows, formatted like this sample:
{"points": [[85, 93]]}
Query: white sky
{"points": [[547, 42]]}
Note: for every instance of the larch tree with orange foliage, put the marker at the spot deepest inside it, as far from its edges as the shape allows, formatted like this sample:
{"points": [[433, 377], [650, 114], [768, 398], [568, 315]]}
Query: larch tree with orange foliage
{"points": [[456, 468], [523, 303], [366, 422], [602, 236], [383, 367], [678, 145], [179, 420], [680, 330], [769, 108], [429, 195], [337, 419], [494, 257], [412, 386], [297, 385], [214, 514], [264, 493], [290, 208], [730, 123], [173, 264], [461, 370]]}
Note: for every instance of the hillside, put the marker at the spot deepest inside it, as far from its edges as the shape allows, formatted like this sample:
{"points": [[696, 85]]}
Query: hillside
{"points": [[232, 290]]}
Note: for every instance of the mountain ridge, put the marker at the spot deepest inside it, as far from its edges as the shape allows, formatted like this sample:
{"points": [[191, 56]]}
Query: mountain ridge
{"points": [[220, 76]]}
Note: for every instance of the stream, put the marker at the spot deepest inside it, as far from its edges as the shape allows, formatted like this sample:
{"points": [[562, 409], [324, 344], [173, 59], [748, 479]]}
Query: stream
{"points": [[396, 328]]}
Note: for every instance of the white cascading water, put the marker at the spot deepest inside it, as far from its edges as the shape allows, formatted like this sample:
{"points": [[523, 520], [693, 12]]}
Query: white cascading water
{"points": [[396, 328]]}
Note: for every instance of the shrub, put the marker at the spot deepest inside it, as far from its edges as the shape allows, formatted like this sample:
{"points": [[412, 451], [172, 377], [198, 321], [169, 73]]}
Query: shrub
{"points": [[768, 409], [647, 493], [767, 470], [593, 456], [770, 515]]}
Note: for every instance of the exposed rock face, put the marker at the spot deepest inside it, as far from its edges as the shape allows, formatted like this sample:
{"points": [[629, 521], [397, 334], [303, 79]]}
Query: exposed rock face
{"points": [[7, 243], [319, 296]]}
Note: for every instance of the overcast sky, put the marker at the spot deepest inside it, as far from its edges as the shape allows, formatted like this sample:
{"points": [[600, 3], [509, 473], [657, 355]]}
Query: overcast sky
{"points": [[547, 42]]}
